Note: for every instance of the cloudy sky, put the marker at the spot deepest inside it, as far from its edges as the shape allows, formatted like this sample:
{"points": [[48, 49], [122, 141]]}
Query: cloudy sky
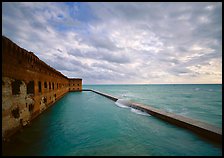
{"points": [[122, 43]]}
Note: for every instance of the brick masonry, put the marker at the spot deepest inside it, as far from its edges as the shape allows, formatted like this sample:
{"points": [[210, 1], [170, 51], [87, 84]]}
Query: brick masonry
{"points": [[29, 87]]}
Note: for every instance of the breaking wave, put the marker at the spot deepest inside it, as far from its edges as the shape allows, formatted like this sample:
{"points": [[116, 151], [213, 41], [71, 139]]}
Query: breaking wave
{"points": [[139, 112], [126, 104], [121, 105]]}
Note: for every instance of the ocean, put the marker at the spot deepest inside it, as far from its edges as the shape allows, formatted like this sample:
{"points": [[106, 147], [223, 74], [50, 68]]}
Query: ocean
{"points": [[85, 123], [199, 101]]}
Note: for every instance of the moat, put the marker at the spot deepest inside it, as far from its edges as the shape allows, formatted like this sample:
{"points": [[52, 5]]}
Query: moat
{"points": [[85, 123]]}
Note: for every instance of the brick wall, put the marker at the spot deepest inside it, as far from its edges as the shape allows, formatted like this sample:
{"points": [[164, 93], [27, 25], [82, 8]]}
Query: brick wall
{"points": [[29, 86]]}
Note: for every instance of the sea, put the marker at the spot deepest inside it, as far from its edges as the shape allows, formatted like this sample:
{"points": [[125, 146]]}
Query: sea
{"points": [[87, 124]]}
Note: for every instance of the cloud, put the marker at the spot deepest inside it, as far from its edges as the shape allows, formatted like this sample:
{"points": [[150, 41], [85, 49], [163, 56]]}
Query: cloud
{"points": [[122, 42]]}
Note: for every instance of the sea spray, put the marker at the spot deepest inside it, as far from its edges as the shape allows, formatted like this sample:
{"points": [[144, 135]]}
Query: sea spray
{"points": [[139, 112], [123, 103]]}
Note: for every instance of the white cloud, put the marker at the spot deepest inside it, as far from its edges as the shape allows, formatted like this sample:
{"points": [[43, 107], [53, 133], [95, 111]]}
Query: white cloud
{"points": [[122, 42]]}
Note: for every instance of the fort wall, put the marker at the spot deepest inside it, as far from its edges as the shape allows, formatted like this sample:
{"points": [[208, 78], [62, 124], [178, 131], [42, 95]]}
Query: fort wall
{"points": [[29, 87]]}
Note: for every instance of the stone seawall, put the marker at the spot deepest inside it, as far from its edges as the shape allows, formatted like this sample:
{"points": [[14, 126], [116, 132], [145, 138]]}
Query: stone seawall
{"points": [[29, 87], [207, 131]]}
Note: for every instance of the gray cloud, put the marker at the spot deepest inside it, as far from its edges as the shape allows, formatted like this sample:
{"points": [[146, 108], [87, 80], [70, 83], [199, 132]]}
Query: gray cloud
{"points": [[101, 54], [122, 42], [101, 41]]}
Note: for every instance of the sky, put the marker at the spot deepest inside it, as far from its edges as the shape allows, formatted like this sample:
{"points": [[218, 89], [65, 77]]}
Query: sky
{"points": [[122, 43]]}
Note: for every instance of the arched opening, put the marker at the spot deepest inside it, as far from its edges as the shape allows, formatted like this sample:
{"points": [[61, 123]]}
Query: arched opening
{"points": [[45, 84], [30, 87], [16, 87], [39, 87]]}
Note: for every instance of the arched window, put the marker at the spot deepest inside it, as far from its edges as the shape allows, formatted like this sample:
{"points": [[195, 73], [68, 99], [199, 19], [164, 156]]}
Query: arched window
{"points": [[45, 84], [16, 87], [39, 87], [30, 87]]}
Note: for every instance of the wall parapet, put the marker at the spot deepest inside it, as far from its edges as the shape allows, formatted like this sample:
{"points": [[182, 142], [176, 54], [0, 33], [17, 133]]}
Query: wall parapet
{"points": [[28, 56]]}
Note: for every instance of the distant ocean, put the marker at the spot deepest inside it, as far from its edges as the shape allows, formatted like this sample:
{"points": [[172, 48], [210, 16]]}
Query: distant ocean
{"points": [[85, 123], [199, 101]]}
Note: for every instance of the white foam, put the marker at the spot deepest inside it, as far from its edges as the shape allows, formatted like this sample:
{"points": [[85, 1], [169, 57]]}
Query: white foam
{"points": [[124, 102], [121, 105], [124, 95], [139, 112], [196, 89], [170, 110]]}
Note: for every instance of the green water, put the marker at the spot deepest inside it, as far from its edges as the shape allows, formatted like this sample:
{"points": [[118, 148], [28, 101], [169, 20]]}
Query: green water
{"points": [[199, 101], [85, 123]]}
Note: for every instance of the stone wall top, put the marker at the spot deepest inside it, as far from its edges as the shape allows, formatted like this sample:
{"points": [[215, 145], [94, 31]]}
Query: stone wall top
{"points": [[14, 50]]}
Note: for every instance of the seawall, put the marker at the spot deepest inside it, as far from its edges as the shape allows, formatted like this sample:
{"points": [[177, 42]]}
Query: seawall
{"points": [[207, 131]]}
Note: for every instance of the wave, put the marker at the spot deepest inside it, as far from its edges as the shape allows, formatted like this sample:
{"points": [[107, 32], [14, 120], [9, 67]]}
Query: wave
{"points": [[197, 89], [123, 95], [170, 110], [139, 112], [123, 103]]}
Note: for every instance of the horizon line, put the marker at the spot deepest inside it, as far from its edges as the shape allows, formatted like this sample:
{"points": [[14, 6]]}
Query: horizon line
{"points": [[148, 83]]}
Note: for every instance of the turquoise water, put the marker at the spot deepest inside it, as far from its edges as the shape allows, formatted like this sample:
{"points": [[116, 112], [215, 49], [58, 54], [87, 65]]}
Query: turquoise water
{"points": [[85, 123], [199, 101]]}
